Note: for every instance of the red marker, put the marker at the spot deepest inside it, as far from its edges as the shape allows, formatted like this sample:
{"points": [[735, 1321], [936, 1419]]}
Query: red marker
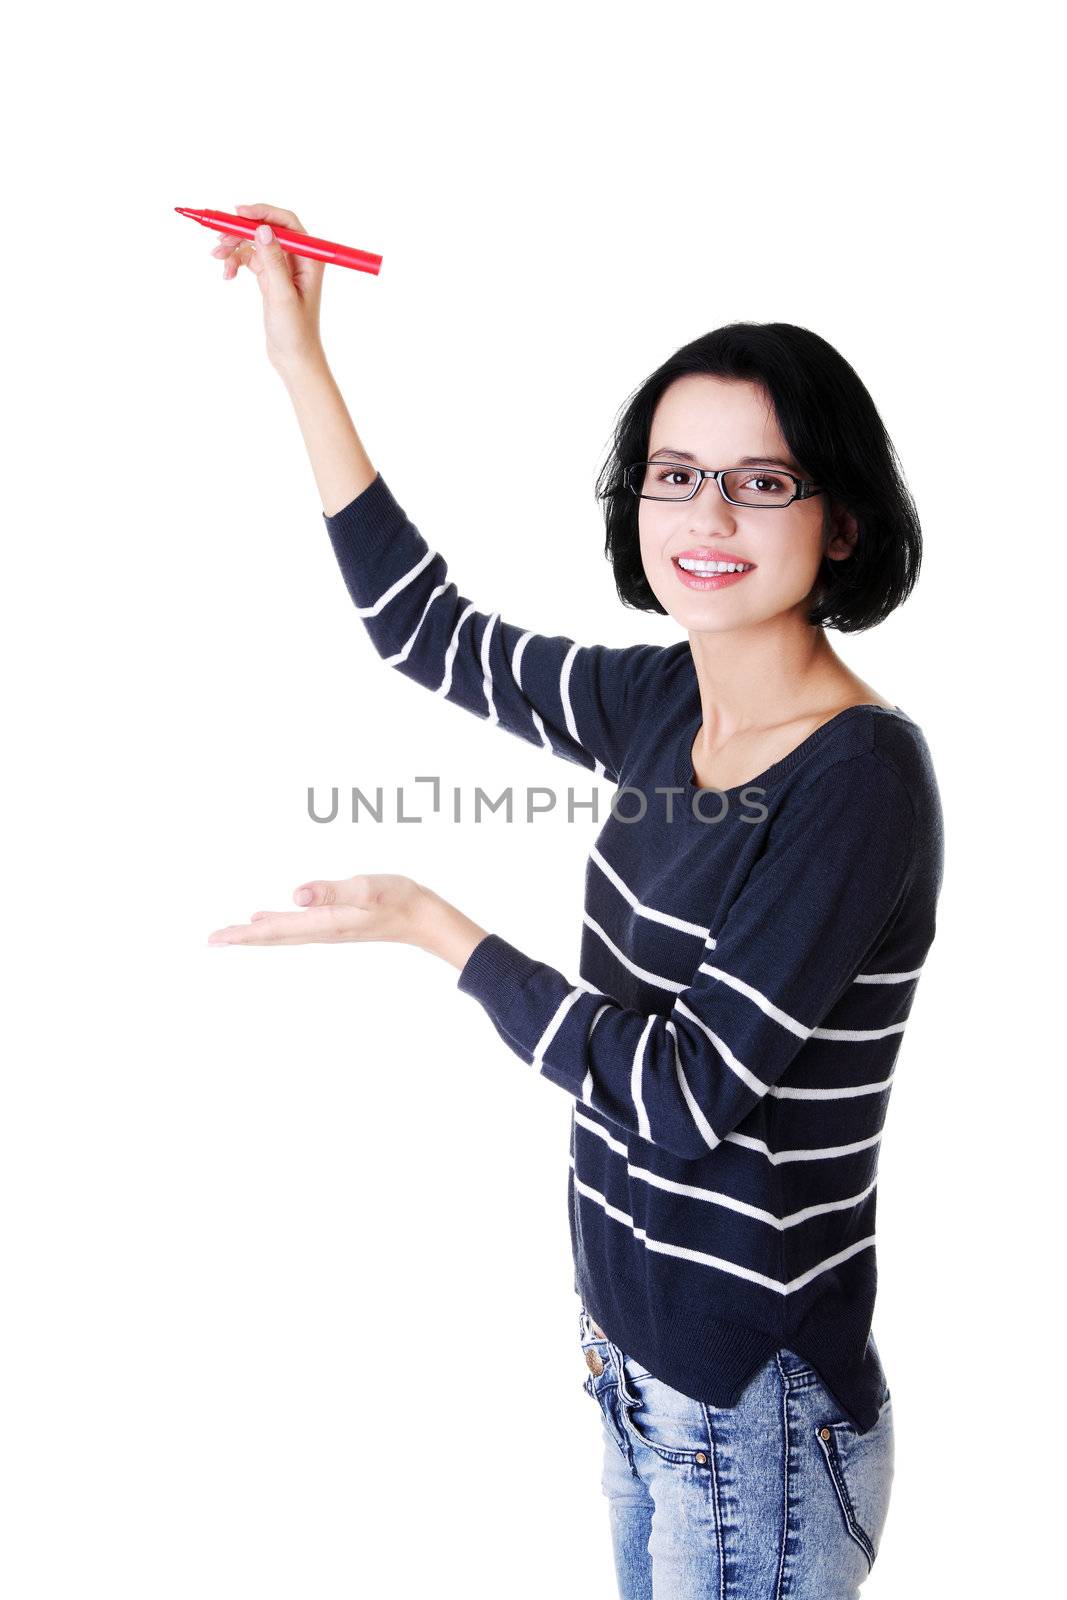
{"points": [[301, 244]]}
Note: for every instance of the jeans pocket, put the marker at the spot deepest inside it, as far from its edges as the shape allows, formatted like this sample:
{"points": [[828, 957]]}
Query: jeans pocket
{"points": [[663, 1419], [861, 1471]]}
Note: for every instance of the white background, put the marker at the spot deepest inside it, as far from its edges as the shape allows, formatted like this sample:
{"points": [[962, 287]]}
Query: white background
{"points": [[288, 1303]]}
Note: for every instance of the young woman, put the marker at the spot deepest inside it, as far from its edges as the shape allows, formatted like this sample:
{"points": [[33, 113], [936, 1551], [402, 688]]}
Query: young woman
{"points": [[759, 906]]}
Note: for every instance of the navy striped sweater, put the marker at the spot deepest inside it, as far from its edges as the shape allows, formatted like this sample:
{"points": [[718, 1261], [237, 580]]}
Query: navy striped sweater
{"points": [[749, 959]]}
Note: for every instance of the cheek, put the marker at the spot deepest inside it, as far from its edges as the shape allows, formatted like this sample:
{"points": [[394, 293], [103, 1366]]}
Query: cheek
{"points": [[656, 565], [800, 560], [651, 545], [792, 578], [800, 553]]}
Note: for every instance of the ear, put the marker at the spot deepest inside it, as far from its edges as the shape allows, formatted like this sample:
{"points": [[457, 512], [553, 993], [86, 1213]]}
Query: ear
{"points": [[841, 531]]}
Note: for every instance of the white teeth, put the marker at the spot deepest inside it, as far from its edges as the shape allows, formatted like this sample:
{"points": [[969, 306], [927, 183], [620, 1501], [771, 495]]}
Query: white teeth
{"points": [[707, 567]]}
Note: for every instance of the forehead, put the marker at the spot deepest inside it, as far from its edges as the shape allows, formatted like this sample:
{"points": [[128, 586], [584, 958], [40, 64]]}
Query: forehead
{"points": [[717, 417]]}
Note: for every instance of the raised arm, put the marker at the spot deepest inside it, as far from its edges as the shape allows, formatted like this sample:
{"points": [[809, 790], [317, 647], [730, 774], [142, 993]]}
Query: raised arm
{"points": [[577, 701]]}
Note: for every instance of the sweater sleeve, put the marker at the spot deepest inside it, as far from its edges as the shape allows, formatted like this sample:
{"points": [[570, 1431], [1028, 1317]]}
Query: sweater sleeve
{"points": [[815, 906], [576, 701]]}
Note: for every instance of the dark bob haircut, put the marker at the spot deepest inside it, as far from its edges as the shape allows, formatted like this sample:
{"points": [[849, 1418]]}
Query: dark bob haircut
{"points": [[831, 425]]}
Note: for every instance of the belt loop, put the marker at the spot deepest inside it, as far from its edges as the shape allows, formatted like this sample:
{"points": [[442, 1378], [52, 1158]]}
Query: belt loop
{"points": [[618, 1358]]}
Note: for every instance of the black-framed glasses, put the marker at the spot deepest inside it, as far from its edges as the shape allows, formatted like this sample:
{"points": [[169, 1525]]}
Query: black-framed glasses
{"points": [[739, 486]]}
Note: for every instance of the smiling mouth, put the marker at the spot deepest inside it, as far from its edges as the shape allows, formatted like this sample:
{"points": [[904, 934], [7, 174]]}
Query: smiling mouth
{"points": [[705, 565], [697, 573]]}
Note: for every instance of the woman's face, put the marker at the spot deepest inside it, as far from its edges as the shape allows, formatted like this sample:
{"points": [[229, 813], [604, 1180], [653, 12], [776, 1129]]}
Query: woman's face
{"points": [[724, 422]]}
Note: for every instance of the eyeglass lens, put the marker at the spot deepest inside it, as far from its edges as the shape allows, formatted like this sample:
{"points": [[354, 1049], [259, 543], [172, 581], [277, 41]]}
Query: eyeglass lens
{"points": [[751, 486]]}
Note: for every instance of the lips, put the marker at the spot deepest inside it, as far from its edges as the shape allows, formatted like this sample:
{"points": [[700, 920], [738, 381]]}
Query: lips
{"points": [[705, 582], [711, 555]]}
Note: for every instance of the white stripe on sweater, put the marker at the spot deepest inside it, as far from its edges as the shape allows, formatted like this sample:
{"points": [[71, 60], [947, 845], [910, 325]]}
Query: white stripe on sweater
{"points": [[638, 972], [572, 727], [405, 650], [395, 588], [450, 654], [786, 1092], [760, 1147], [565, 692], [718, 1197], [802, 1031], [554, 1026], [516, 673], [706, 1129], [759, 999], [738, 1068], [703, 1258], [487, 675], [644, 1127], [853, 1035], [887, 977], [587, 1081], [695, 928], [776, 1157], [628, 895]]}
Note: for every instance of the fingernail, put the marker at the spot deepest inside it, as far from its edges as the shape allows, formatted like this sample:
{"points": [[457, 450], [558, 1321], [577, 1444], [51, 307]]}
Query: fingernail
{"points": [[264, 233], [303, 897]]}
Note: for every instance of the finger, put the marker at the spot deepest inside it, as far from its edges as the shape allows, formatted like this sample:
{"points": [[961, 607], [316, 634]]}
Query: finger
{"points": [[239, 256], [307, 272], [271, 266], [265, 213], [279, 927], [263, 924], [258, 916]]}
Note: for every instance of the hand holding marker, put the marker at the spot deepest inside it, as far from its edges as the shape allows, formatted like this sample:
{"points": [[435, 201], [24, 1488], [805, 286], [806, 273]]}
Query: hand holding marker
{"points": [[288, 262], [296, 239]]}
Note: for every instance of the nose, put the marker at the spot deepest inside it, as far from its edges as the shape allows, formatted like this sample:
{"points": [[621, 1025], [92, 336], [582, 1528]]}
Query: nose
{"points": [[709, 510]]}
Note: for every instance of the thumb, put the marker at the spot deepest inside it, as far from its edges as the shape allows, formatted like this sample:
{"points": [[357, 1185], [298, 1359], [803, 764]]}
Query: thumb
{"points": [[318, 893], [269, 263]]}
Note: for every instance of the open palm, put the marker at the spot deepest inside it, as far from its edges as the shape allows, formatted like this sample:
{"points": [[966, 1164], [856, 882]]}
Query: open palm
{"points": [[369, 906]]}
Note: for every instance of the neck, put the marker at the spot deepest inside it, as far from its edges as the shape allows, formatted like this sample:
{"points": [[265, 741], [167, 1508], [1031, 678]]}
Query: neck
{"points": [[761, 676]]}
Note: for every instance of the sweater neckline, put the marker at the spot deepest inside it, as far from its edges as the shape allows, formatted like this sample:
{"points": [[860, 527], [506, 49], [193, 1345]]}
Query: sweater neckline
{"points": [[684, 766]]}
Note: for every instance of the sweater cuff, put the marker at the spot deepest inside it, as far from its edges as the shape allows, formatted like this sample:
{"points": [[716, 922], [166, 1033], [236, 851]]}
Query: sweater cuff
{"points": [[363, 525], [494, 974]]}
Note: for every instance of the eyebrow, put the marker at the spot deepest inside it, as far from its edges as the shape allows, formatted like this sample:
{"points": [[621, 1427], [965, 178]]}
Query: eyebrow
{"points": [[742, 461]]}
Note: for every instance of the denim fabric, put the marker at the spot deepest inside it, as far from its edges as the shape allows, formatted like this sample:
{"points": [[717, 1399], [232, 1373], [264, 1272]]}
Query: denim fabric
{"points": [[778, 1495]]}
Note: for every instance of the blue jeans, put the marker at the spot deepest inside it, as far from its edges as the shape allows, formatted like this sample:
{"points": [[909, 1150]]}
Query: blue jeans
{"points": [[776, 1496]]}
